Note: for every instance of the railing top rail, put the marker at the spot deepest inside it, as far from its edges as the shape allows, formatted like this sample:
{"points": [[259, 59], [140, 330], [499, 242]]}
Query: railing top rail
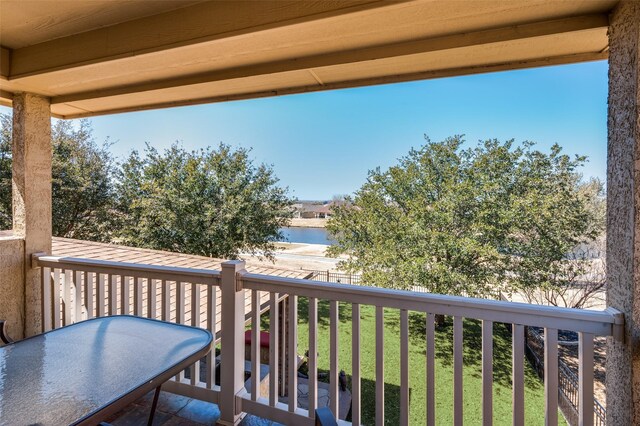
{"points": [[172, 273], [608, 322]]}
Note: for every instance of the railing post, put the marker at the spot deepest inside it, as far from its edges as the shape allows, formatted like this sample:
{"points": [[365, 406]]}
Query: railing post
{"points": [[232, 349], [31, 196]]}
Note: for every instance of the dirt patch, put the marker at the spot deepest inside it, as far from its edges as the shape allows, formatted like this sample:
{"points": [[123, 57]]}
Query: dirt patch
{"points": [[283, 247], [298, 256], [308, 223]]}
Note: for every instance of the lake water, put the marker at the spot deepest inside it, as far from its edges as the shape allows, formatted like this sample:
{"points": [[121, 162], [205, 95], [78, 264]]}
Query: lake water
{"points": [[307, 235]]}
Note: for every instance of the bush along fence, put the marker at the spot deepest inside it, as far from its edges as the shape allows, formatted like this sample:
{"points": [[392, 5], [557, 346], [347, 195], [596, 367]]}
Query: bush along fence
{"points": [[336, 277], [347, 278], [567, 380]]}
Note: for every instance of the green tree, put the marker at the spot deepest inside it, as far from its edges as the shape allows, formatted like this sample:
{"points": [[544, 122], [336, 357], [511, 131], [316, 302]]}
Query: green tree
{"points": [[82, 190], [212, 202], [82, 187], [5, 172], [466, 221]]}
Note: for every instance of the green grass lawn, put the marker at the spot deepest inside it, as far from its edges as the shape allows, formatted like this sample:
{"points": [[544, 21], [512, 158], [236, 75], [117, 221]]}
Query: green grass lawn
{"points": [[534, 390]]}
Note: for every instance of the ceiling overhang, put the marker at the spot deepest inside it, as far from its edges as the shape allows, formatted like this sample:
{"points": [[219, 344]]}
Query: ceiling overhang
{"points": [[184, 53]]}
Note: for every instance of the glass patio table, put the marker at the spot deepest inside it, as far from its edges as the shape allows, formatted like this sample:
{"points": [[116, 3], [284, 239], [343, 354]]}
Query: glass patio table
{"points": [[82, 373]]}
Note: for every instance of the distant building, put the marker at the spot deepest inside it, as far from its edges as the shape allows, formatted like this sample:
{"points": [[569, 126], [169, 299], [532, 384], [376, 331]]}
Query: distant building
{"points": [[314, 210]]}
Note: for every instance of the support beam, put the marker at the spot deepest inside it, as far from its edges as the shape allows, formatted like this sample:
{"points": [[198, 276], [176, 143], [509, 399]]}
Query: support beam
{"points": [[202, 22], [623, 213], [373, 53], [5, 62], [398, 78], [31, 168]]}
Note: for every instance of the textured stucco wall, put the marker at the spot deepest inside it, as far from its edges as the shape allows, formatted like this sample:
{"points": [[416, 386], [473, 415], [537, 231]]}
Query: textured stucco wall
{"points": [[12, 284], [623, 212], [32, 194]]}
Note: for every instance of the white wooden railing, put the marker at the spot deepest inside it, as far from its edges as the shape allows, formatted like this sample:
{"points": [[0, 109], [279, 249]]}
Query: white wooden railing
{"points": [[75, 289]]}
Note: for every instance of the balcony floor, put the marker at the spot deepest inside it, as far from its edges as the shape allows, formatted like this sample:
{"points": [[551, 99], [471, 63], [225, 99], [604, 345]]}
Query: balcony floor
{"points": [[176, 410]]}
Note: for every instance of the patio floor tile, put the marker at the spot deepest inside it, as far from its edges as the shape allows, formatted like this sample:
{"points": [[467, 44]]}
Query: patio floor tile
{"points": [[135, 415], [177, 410], [167, 402], [200, 411]]}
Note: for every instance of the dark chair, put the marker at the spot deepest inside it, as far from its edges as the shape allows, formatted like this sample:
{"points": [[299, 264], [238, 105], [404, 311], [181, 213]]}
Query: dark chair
{"points": [[324, 417], [3, 333]]}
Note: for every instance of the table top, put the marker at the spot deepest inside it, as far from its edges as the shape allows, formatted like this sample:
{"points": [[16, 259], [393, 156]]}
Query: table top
{"points": [[80, 373]]}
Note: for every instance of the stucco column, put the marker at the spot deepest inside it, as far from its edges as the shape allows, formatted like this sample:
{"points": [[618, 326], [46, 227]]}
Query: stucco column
{"points": [[32, 194], [623, 213]]}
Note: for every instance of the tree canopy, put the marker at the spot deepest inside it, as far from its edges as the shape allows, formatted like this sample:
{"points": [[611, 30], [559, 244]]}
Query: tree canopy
{"points": [[6, 213], [82, 189], [212, 202], [472, 221]]}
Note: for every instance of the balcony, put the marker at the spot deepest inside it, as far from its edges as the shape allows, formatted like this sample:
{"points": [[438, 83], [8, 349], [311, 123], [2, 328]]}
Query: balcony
{"points": [[145, 55], [223, 298]]}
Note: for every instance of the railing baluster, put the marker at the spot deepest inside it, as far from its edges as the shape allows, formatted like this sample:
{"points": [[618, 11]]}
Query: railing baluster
{"points": [[379, 366], [273, 349], [333, 357], [313, 356], [282, 368], [67, 297], [518, 374], [166, 300], [56, 294], [404, 367], [101, 295], [431, 371], [180, 310], [151, 298], [89, 289], [487, 373], [211, 326], [255, 345], [551, 376], [77, 296], [293, 352], [47, 299], [458, 406], [113, 294], [195, 322], [585, 379], [137, 297], [125, 289], [355, 365]]}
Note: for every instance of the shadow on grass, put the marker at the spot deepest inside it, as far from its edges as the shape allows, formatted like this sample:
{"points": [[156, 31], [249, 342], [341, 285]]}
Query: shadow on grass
{"points": [[472, 340], [344, 311], [472, 344]]}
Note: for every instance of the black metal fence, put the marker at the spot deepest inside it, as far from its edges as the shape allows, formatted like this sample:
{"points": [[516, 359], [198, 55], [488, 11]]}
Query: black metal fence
{"points": [[567, 381], [336, 277]]}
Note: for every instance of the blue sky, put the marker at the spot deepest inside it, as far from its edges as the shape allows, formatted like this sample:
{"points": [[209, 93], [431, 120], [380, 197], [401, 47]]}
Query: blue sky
{"points": [[321, 144]]}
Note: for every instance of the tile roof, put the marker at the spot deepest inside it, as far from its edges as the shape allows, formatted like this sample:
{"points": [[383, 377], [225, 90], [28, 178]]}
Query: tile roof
{"points": [[67, 247]]}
